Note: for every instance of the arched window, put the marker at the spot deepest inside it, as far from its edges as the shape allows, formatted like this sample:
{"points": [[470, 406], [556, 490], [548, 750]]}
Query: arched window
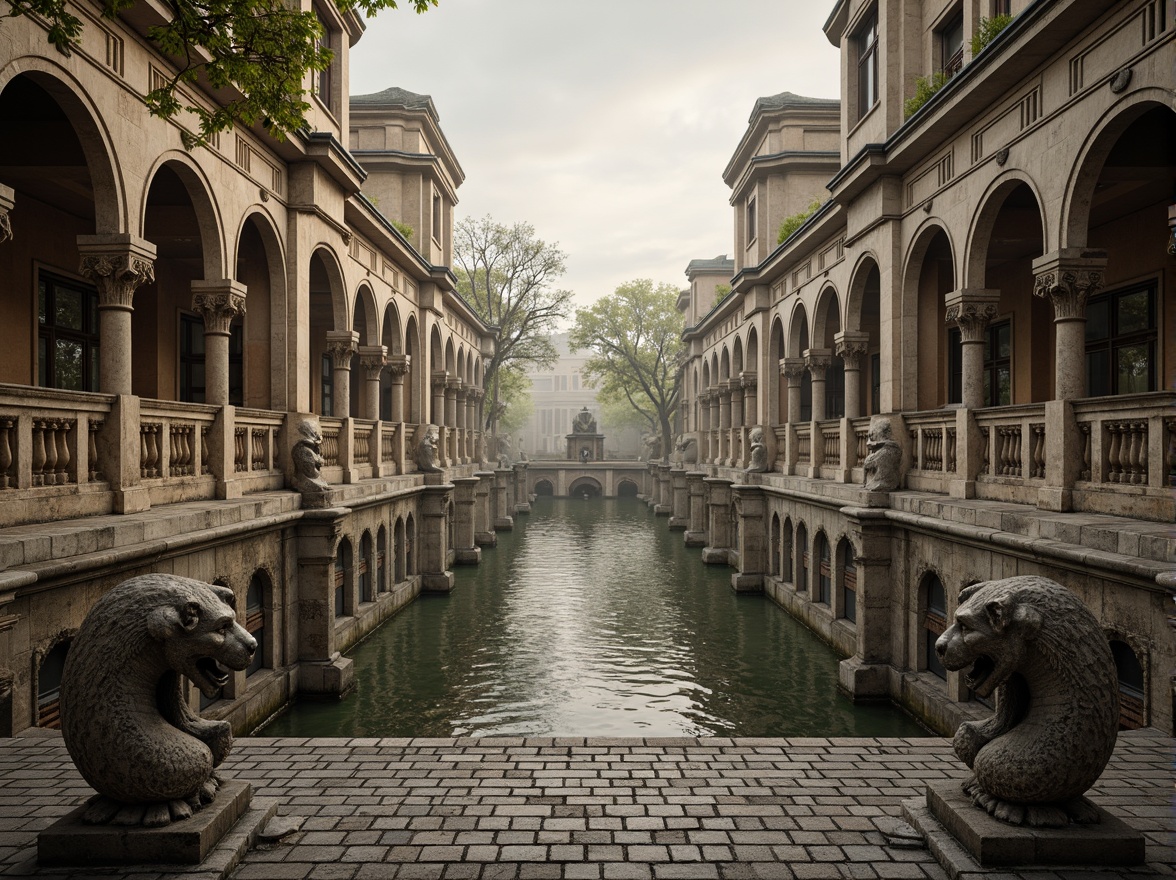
{"points": [[365, 568], [1132, 714], [399, 571], [410, 546], [802, 561], [934, 622], [342, 576], [255, 601], [775, 562], [786, 538], [381, 560], [824, 569], [49, 687], [848, 582]]}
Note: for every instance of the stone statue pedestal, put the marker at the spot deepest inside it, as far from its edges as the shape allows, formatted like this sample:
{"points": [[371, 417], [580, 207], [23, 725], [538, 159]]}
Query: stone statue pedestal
{"points": [[965, 839], [229, 821]]}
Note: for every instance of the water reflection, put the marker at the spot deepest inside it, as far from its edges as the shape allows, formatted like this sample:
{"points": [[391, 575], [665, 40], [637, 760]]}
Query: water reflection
{"points": [[592, 620]]}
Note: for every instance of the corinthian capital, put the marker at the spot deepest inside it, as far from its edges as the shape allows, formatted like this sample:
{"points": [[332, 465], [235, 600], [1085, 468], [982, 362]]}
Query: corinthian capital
{"points": [[117, 265], [371, 358], [7, 201], [1067, 278], [792, 369], [397, 366], [218, 302], [972, 311], [818, 361], [851, 346], [341, 346]]}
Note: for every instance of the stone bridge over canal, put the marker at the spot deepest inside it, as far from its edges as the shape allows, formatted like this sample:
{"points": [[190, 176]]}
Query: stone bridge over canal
{"points": [[610, 479]]}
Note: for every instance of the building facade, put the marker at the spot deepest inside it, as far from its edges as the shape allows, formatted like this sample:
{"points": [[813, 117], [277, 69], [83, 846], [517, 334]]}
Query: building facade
{"points": [[993, 275], [172, 317]]}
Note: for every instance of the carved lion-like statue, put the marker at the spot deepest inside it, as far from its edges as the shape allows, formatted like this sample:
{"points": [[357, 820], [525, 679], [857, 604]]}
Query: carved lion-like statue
{"points": [[883, 465], [651, 447], [686, 449], [426, 449], [124, 718], [1031, 641], [505, 457], [759, 451], [306, 457]]}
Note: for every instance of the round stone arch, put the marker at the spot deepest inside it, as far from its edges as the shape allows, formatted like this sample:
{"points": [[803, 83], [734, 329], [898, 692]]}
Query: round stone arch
{"points": [[333, 269], [626, 488], [264, 277], [369, 332], [798, 330], [391, 334], [543, 487], [826, 317], [87, 121], [984, 224], [917, 335], [737, 364], [585, 487], [1088, 165], [202, 196], [724, 365], [859, 277]]}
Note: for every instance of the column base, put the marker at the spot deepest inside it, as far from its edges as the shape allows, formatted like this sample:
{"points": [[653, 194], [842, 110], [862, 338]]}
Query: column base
{"points": [[486, 539], [1055, 499], [227, 490], [523, 507], [504, 524], [962, 488], [467, 556], [695, 539], [132, 500], [662, 510], [329, 678], [677, 523], [714, 555], [863, 680], [439, 582], [747, 583]]}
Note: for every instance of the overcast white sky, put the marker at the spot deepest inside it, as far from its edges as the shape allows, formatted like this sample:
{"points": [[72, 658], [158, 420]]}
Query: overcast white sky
{"points": [[605, 124]]}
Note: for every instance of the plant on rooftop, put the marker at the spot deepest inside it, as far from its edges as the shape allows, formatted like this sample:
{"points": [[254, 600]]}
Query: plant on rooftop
{"points": [[255, 53], [989, 28], [793, 222], [925, 88], [722, 291], [403, 228]]}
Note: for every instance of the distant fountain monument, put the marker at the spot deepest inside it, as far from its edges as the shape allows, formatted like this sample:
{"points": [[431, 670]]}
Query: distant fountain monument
{"points": [[584, 444]]}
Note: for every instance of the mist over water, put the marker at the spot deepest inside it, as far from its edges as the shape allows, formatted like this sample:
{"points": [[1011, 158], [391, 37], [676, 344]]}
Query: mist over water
{"points": [[592, 619]]}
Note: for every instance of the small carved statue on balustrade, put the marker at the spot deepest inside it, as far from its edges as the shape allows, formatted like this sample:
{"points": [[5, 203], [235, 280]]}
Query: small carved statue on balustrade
{"points": [[686, 449], [307, 459], [651, 447], [759, 451], [1032, 643], [426, 449], [583, 423], [124, 715], [585, 455], [883, 464]]}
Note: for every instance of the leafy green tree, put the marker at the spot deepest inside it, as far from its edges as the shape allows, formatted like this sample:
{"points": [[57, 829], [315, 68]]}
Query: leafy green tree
{"points": [[508, 276], [261, 49], [635, 336]]}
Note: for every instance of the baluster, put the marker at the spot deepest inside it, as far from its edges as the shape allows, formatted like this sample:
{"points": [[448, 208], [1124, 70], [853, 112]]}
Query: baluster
{"points": [[63, 456], [143, 451], [1017, 460], [5, 452], [204, 449], [187, 438], [1039, 451], [950, 464], [1084, 427], [259, 449], [1114, 465], [985, 451], [50, 435], [239, 461], [153, 462], [1172, 453], [1138, 452], [38, 452]]}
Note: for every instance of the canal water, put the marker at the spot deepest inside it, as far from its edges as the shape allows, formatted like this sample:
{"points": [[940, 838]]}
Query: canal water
{"points": [[591, 618]]}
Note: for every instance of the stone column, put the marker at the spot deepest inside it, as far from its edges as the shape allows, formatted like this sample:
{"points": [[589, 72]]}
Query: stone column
{"points": [[696, 527], [503, 521], [321, 668], [851, 346], [439, 377], [218, 302], [117, 264], [972, 310], [1067, 278], [397, 366], [718, 521], [484, 535], [372, 359], [466, 551], [665, 492], [792, 369], [749, 382], [749, 506], [818, 361], [341, 346], [703, 426], [680, 514], [725, 423], [434, 536], [736, 433], [716, 451], [452, 387], [867, 672]]}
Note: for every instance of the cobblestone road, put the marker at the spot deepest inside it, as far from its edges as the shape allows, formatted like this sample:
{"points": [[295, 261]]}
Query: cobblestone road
{"points": [[596, 808]]}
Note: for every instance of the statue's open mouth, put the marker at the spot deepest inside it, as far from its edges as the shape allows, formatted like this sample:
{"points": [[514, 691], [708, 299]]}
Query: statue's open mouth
{"points": [[213, 672], [979, 674]]}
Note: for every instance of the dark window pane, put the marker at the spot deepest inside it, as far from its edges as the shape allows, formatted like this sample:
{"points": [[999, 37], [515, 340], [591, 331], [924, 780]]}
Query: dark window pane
{"points": [[1004, 387], [67, 365], [1004, 340], [1098, 373], [43, 362], [1135, 313], [1134, 368], [94, 382], [42, 301], [1098, 319], [68, 308]]}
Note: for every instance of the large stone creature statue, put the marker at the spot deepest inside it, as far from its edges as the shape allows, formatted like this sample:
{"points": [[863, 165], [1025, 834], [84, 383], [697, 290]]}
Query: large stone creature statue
{"points": [[426, 449], [686, 449], [505, 457], [759, 451], [306, 456], [883, 464], [1031, 641], [651, 447], [125, 721], [583, 423]]}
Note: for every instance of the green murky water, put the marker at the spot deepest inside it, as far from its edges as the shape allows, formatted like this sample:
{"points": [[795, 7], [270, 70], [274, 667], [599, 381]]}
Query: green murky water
{"points": [[592, 619]]}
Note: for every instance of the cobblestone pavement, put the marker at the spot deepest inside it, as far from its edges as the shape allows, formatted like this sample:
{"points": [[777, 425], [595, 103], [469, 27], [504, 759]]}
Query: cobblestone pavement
{"points": [[595, 808]]}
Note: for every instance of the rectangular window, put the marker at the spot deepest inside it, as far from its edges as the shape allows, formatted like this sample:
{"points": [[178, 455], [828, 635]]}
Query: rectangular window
{"points": [[950, 38], [1121, 342], [436, 218], [67, 337], [324, 84], [192, 368], [751, 230], [867, 52]]}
